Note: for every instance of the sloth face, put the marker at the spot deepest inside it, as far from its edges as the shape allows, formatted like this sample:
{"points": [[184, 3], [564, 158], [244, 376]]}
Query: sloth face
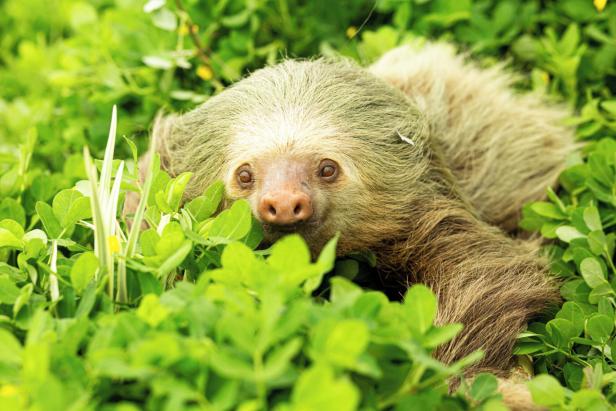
{"points": [[315, 149], [292, 193]]}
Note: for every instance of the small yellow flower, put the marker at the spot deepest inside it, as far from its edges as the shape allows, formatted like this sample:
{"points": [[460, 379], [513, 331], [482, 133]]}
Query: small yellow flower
{"points": [[545, 77], [113, 243], [599, 4], [183, 30], [8, 390], [351, 32], [205, 72]]}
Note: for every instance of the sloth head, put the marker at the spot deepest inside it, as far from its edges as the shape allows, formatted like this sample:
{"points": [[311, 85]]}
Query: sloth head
{"points": [[316, 147]]}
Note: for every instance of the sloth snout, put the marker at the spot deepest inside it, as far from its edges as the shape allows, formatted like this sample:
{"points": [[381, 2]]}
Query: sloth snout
{"points": [[285, 208]]}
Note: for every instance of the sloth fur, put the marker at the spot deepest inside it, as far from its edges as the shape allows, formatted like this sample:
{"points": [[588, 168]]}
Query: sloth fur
{"points": [[439, 157]]}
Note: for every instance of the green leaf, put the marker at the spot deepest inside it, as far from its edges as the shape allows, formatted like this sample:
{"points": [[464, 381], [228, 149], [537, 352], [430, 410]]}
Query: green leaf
{"points": [[484, 386], [573, 312], [324, 264], [148, 240], [83, 270], [440, 335], [174, 260], [568, 233], [204, 206], [231, 365], [238, 258], [592, 218], [172, 236], [70, 206], [8, 290], [50, 222], [318, 389], [165, 19], [600, 327], [549, 210], [10, 208], [151, 310], [546, 390], [232, 224], [289, 253], [24, 297], [345, 342], [280, 359], [561, 331], [175, 190], [11, 234], [420, 305], [592, 272], [11, 350]]}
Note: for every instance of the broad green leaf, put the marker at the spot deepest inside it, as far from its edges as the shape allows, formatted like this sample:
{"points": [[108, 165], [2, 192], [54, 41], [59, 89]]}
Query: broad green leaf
{"points": [[324, 264], [592, 272], [83, 270], [232, 224], [70, 206], [592, 218], [549, 210], [204, 206], [238, 258], [49, 219], [11, 350], [175, 259], [600, 327], [573, 312], [483, 387], [280, 360], [151, 310], [289, 253], [11, 234], [8, 290], [175, 190], [420, 305], [440, 335], [24, 297], [568, 233], [231, 365], [318, 389], [562, 331], [546, 390], [10, 208], [345, 342], [172, 236]]}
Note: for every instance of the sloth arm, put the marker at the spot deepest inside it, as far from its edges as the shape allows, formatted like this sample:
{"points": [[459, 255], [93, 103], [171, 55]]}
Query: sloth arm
{"points": [[504, 147], [484, 279]]}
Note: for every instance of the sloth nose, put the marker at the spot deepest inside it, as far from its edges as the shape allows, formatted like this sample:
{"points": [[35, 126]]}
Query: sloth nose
{"points": [[285, 208]]}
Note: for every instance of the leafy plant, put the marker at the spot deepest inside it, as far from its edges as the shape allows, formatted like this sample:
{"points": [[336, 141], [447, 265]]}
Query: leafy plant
{"points": [[97, 314]]}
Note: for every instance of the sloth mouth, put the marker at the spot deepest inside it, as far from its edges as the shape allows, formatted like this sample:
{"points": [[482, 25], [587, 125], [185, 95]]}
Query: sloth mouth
{"points": [[303, 227]]}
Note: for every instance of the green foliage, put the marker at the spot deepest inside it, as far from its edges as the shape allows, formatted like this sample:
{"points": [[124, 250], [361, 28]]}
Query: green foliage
{"points": [[575, 345], [186, 314]]}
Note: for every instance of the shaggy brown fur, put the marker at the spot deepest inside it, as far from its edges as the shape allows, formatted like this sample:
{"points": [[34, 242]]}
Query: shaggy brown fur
{"points": [[437, 157]]}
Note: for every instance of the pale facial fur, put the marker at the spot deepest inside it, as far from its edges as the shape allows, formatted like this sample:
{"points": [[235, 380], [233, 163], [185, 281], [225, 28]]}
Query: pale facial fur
{"points": [[276, 144]]}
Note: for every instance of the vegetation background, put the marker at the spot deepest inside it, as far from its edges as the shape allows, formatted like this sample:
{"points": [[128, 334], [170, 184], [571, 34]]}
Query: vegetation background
{"points": [[90, 317]]}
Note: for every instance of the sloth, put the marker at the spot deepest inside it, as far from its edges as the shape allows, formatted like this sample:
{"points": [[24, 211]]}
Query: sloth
{"points": [[425, 158]]}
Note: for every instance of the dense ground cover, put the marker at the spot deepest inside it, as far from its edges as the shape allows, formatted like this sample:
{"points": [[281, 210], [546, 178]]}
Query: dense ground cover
{"points": [[189, 314]]}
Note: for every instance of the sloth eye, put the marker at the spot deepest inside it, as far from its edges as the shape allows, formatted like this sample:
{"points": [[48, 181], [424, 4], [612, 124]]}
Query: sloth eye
{"points": [[244, 177], [328, 170]]}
